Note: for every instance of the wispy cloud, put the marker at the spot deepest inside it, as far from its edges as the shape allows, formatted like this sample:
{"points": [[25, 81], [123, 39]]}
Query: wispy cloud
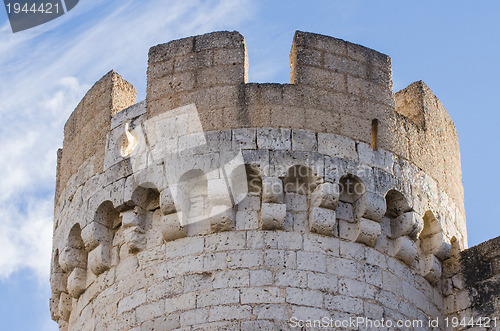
{"points": [[46, 71]]}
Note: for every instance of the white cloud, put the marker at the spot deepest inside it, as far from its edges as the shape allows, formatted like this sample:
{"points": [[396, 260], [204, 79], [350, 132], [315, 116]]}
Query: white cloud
{"points": [[46, 71]]}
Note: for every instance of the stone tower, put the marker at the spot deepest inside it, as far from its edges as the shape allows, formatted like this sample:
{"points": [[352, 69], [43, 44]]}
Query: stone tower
{"points": [[222, 204]]}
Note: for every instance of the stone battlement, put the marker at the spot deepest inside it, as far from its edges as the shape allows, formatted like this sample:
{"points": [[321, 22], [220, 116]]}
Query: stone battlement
{"points": [[352, 202], [336, 87]]}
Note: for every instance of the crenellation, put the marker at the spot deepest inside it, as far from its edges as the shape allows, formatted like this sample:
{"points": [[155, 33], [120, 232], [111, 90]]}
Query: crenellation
{"points": [[219, 203]]}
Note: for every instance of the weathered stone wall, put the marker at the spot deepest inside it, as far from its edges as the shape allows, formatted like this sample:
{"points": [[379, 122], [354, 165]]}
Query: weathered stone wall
{"points": [[122, 258], [472, 287], [86, 129]]}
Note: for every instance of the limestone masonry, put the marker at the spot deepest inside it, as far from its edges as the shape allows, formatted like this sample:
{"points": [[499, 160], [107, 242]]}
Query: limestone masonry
{"points": [[218, 204]]}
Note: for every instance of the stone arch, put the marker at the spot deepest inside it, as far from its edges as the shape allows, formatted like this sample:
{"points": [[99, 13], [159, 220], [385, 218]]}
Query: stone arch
{"points": [[145, 200], [396, 203], [58, 285], [249, 174], [146, 196], [300, 179], [245, 182], [351, 188], [73, 260], [433, 241], [192, 194], [246, 188], [299, 182], [405, 226], [98, 237]]}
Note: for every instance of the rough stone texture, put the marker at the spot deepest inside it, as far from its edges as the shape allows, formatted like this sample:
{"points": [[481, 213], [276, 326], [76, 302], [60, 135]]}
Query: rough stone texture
{"points": [[127, 256]]}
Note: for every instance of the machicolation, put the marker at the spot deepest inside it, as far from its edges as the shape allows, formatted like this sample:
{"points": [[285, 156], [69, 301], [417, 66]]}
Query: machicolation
{"points": [[219, 204]]}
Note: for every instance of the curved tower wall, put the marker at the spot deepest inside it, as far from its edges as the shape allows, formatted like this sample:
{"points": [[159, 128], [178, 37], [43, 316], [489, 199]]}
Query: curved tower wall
{"points": [[352, 205]]}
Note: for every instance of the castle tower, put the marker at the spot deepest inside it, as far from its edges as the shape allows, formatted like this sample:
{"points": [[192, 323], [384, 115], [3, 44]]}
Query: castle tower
{"points": [[223, 204]]}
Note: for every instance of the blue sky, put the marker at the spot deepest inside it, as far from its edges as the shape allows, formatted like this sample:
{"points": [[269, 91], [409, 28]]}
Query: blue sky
{"points": [[45, 71]]}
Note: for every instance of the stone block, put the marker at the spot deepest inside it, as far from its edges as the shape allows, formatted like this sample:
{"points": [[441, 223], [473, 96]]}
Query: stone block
{"points": [[172, 228], [54, 308], [77, 282], [218, 192], [322, 282], [344, 211], [182, 302], [437, 244], [289, 240], [272, 190], [431, 268], [408, 224], [344, 304], [222, 218], [322, 221], [405, 249], [245, 259], [262, 239], [227, 313], [71, 258], [273, 216], [94, 234], [247, 220], [371, 206], [289, 277], [149, 311], [260, 278], [337, 146], [58, 282], [132, 301], [261, 295], [326, 195], [133, 218], [218, 297], [304, 297], [225, 241], [304, 140], [342, 267], [231, 278], [184, 247], [368, 232], [135, 239], [99, 259], [65, 306], [244, 138], [274, 139], [348, 230], [165, 289], [311, 261], [167, 203], [194, 317]]}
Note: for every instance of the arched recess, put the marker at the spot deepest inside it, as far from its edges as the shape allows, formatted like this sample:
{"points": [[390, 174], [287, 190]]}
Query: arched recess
{"points": [[245, 180], [405, 226], [98, 237], [147, 197], [73, 260], [246, 189], [58, 284], [192, 201], [359, 212], [435, 247], [351, 188], [432, 238], [137, 221], [299, 182], [58, 277], [396, 204]]}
